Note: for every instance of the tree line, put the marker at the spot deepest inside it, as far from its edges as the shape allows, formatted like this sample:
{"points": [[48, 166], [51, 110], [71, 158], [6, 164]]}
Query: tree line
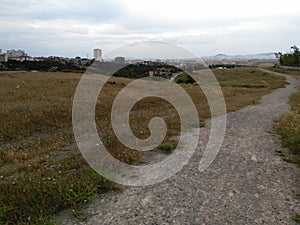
{"points": [[46, 65], [289, 59]]}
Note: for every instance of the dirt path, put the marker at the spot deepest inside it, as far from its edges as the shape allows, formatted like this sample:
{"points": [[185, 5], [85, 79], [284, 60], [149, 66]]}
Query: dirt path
{"points": [[246, 184]]}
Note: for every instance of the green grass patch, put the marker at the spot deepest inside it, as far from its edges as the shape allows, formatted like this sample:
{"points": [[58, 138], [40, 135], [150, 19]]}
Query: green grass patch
{"points": [[33, 198], [167, 147], [296, 218], [288, 127]]}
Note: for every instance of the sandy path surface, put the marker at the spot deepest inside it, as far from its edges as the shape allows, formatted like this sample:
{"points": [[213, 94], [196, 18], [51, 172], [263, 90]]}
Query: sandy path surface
{"points": [[246, 184]]}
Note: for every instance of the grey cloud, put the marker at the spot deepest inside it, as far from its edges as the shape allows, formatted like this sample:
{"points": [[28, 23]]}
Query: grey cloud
{"points": [[93, 9], [19, 16]]}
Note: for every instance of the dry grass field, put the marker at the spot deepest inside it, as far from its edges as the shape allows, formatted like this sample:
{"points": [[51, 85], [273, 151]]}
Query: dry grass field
{"points": [[295, 73], [41, 169]]}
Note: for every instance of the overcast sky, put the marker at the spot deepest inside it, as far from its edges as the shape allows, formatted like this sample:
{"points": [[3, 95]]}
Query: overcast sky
{"points": [[75, 27]]}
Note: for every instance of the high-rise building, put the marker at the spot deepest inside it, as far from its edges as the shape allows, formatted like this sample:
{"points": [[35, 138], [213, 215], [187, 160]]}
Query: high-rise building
{"points": [[0, 51], [98, 54], [15, 53], [120, 60]]}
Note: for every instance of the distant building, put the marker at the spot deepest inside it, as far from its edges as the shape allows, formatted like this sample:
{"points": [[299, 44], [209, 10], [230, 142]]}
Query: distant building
{"points": [[151, 73], [164, 72], [3, 58], [98, 54], [149, 63], [15, 53], [21, 58], [85, 62], [39, 59], [120, 60]]}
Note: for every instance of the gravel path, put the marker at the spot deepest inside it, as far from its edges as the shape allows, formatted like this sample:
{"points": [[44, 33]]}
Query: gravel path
{"points": [[246, 184]]}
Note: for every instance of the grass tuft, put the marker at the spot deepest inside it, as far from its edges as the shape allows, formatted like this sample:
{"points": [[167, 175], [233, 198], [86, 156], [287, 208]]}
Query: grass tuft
{"points": [[167, 147]]}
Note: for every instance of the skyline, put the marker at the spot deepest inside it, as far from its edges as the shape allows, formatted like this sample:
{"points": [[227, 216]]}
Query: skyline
{"points": [[135, 51], [75, 28]]}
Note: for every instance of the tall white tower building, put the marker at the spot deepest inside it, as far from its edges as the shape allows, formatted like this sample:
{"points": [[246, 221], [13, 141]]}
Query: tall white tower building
{"points": [[98, 54]]}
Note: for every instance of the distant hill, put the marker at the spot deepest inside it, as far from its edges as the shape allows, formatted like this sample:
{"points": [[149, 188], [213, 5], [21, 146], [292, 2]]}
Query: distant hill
{"points": [[222, 57]]}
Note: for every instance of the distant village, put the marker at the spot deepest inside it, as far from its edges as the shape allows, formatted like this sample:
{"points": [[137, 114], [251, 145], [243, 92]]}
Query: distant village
{"points": [[21, 56], [19, 60]]}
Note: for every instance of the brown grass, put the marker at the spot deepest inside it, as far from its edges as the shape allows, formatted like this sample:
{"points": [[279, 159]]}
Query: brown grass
{"points": [[295, 73], [38, 154]]}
